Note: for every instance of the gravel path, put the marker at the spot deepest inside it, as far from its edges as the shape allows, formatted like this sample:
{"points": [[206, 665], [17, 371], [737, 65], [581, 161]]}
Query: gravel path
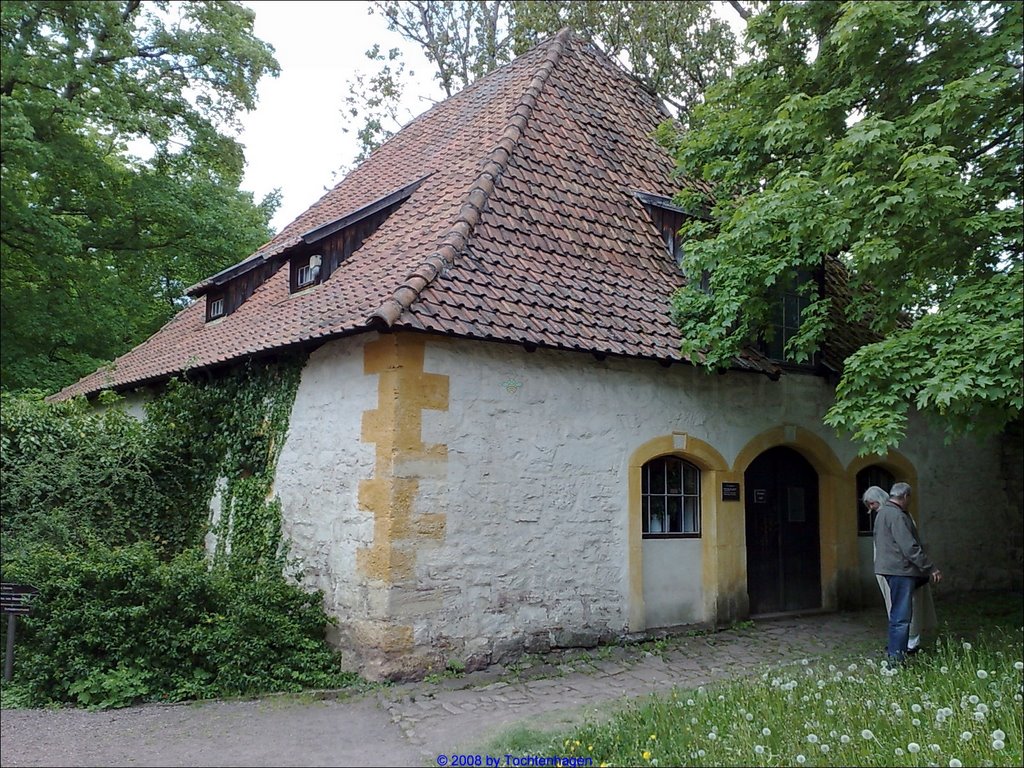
{"points": [[412, 724]]}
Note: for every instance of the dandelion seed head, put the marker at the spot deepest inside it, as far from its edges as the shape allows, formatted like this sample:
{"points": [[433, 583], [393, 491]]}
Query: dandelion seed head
{"points": [[748, 717], [967, 646], [825, 749], [915, 722], [966, 736], [915, 708], [997, 744], [766, 731], [973, 699], [913, 747], [812, 738], [801, 759], [1018, 665], [712, 736], [998, 734], [867, 735], [944, 669], [982, 674], [758, 749], [954, 763]]}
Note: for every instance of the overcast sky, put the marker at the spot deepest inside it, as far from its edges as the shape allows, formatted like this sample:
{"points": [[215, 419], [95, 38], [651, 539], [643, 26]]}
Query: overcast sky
{"points": [[294, 139]]}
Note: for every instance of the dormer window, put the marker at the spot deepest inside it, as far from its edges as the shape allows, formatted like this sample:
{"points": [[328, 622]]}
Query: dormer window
{"points": [[305, 271], [214, 306], [669, 219]]}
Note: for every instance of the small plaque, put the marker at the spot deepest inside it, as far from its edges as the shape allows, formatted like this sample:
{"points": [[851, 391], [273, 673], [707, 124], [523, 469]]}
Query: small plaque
{"points": [[760, 495], [730, 491]]}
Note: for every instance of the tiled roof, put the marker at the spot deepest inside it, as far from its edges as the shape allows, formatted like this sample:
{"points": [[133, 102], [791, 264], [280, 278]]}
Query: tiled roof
{"points": [[525, 228]]}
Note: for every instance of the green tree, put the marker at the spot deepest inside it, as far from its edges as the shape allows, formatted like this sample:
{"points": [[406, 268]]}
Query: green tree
{"points": [[887, 135], [674, 49], [119, 174]]}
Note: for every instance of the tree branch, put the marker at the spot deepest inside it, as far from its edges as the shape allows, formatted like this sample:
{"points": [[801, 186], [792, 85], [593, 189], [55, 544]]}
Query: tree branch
{"points": [[743, 12]]}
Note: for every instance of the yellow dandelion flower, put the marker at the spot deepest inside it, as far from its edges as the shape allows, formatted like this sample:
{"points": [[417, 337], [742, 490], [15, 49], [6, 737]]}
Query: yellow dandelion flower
{"points": [[653, 737], [647, 755]]}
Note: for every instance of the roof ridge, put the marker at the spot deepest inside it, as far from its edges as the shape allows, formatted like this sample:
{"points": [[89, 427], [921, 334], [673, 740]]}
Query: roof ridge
{"points": [[458, 236]]}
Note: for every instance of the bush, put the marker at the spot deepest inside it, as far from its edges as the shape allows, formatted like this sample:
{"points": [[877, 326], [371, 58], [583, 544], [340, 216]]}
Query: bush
{"points": [[115, 625]]}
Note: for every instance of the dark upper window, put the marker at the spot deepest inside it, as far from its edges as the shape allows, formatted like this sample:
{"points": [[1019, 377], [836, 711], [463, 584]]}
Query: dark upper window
{"points": [[872, 475], [670, 497], [787, 315]]}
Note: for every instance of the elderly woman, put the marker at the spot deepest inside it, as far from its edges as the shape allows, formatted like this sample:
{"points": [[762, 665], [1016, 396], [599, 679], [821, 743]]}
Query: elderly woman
{"points": [[923, 613]]}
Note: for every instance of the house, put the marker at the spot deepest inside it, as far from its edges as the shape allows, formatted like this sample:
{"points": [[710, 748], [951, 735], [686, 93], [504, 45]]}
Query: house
{"points": [[496, 446]]}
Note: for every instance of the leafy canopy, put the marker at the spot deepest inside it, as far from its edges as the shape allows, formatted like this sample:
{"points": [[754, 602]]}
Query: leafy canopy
{"points": [[886, 135], [120, 178]]}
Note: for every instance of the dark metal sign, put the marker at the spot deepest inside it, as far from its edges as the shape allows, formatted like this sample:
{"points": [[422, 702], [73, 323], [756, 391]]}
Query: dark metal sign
{"points": [[730, 491], [17, 598]]}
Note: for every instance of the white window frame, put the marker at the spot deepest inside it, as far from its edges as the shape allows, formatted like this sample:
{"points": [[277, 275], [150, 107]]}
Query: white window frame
{"points": [[217, 308], [661, 507]]}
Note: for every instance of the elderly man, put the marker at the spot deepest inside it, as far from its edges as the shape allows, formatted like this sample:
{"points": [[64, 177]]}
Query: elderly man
{"points": [[901, 561]]}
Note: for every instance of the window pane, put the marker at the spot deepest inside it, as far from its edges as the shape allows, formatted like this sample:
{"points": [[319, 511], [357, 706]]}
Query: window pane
{"points": [[691, 478], [675, 514], [691, 515], [657, 514], [657, 476], [675, 475], [791, 308], [873, 475], [645, 513], [645, 485]]}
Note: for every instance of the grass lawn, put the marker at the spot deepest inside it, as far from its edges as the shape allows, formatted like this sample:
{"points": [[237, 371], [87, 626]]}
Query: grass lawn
{"points": [[958, 704]]}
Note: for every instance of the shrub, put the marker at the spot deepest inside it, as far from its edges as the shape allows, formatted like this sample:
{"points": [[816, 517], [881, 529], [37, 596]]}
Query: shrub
{"points": [[115, 625]]}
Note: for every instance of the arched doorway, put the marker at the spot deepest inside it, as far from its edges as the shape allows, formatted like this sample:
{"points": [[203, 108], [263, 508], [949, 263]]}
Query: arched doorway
{"points": [[783, 536]]}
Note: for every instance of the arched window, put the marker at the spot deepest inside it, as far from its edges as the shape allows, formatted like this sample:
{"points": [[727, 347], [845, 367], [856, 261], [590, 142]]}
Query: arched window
{"points": [[871, 475], [670, 496]]}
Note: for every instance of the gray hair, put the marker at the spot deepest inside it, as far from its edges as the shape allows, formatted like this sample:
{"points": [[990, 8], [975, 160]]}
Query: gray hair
{"points": [[900, 491], [876, 494]]}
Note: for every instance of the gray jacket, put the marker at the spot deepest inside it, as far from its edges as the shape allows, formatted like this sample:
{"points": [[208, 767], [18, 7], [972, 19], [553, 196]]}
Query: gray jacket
{"points": [[898, 551]]}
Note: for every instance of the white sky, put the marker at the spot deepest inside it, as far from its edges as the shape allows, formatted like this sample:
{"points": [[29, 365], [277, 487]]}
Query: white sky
{"points": [[294, 140]]}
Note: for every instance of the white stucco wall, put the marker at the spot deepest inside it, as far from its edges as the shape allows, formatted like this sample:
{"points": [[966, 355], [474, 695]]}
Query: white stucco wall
{"points": [[537, 495], [534, 489], [536, 492], [319, 469]]}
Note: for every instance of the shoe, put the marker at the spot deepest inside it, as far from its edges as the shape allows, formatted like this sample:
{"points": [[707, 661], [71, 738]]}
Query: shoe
{"points": [[912, 651]]}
